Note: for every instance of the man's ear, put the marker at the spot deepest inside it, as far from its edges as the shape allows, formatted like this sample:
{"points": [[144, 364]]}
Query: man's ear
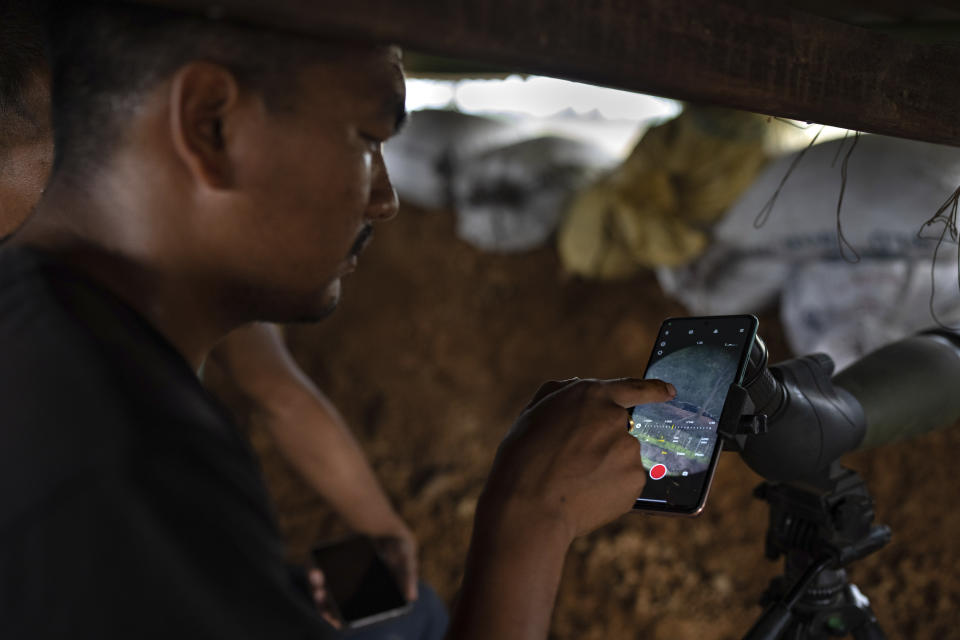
{"points": [[203, 96]]}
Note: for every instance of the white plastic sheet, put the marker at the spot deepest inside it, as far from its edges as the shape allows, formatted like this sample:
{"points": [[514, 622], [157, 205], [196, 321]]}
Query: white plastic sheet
{"points": [[828, 304]]}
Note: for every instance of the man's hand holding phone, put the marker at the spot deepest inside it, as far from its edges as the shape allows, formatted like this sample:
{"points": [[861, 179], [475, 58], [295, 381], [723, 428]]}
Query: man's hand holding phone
{"points": [[679, 440], [318, 588], [569, 460], [566, 467]]}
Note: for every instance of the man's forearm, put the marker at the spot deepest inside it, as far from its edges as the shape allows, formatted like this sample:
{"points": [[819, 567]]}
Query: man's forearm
{"points": [[511, 579], [307, 428], [313, 437]]}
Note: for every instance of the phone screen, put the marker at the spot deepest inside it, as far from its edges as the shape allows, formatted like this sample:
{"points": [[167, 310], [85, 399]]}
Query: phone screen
{"points": [[701, 357], [362, 587]]}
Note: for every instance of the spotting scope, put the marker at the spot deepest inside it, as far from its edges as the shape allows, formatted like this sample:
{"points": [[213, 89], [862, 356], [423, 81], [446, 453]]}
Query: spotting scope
{"points": [[802, 421], [899, 391]]}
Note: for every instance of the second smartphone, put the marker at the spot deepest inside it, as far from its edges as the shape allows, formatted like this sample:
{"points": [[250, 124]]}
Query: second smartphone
{"points": [[701, 357], [361, 588]]}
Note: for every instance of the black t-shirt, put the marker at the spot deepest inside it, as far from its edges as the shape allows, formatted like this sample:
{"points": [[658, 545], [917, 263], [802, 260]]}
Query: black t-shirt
{"points": [[130, 507]]}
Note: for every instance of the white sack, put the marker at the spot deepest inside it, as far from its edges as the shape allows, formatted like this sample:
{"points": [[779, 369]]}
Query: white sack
{"points": [[828, 305]]}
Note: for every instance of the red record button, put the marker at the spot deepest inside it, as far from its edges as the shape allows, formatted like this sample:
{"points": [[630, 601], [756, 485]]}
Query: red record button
{"points": [[657, 471]]}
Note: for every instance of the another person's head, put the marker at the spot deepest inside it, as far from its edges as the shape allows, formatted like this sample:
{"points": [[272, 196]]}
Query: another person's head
{"points": [[242, 155], [26, 143]]}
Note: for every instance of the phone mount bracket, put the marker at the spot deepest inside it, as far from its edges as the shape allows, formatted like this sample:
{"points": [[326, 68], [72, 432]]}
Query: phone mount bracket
{"points": [[737, 421]]}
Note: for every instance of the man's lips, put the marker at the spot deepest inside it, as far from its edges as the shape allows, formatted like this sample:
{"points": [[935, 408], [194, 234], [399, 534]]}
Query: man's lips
{"points": [[363, 239]]}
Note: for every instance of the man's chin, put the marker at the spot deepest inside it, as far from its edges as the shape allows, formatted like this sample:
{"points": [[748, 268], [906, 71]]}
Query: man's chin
{"points": [[328, 301], [327, 308], [293, 308]]}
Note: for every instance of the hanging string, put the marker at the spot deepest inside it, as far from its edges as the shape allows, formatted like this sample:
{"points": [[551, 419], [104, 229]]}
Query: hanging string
{"points": [[949, 222], [836, 156], [842, 243], [764, 214]]}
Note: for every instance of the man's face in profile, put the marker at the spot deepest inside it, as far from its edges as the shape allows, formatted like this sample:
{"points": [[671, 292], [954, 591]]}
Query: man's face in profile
{"points": [[316, 180]]}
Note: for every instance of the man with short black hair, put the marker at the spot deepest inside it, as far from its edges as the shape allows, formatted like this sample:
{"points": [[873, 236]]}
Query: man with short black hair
{"points": [[305, 426], [225, 190], [253, 360]]}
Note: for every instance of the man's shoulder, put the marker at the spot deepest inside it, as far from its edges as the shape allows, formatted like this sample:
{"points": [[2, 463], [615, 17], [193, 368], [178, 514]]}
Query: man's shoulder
{"points": [[47, 351], [61, 409], [85, 384], [66, 337], [106, 433]]}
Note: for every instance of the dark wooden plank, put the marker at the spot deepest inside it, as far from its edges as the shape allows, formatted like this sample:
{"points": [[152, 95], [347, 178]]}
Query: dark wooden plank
{"points": [[869, 12], [743, 54]]}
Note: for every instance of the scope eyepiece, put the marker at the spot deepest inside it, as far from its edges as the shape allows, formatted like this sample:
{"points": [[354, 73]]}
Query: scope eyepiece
{"points": [[810, 422]]}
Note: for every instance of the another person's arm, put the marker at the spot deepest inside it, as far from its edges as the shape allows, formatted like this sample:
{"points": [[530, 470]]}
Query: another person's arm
{"points": [[567, 467], [313, 436]]}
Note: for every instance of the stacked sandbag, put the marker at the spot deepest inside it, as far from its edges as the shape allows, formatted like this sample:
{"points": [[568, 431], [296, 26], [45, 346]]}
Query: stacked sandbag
{"points": [[422, 158], [657, 207], [511, 198], [507, 185]]}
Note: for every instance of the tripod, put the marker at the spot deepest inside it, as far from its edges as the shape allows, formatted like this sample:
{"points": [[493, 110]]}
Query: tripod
{"points": [[791, 423], [819, 533]]}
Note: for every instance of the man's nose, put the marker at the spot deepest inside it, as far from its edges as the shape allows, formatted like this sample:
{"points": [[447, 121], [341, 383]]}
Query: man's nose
{"points": [[384, 203]]}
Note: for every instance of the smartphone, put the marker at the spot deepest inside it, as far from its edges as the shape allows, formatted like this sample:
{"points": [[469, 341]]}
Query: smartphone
{"points": [[360, 586], [680, 447]]}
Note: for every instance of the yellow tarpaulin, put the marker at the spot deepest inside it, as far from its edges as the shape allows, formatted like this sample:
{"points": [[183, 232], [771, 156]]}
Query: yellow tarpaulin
{"points": [[656, 208]]}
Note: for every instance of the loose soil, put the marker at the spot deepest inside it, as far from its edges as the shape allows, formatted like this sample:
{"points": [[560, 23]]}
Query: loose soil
{"points": [[435, 349]]}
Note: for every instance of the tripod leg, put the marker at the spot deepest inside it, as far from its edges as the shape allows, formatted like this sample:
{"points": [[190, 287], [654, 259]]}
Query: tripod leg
{"points": [[778, 617]]}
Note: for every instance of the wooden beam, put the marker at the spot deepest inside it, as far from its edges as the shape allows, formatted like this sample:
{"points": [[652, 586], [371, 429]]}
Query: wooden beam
{"points": [[745, 54]]}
